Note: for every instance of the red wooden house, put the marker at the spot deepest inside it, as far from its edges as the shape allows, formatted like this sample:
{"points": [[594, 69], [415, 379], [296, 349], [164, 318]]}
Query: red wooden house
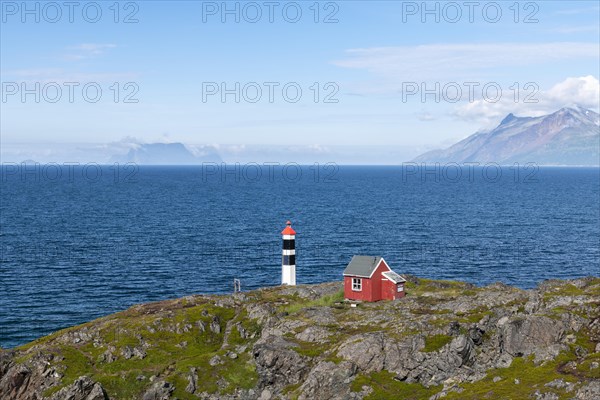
{"points": [[369, 278]]}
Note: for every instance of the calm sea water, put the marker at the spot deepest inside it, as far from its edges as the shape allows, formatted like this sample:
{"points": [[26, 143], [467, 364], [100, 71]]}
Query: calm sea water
{"points": [[76, 245]]}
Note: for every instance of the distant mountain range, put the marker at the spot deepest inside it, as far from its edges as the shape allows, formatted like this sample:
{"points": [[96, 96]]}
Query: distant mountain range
{"points": [[167, 154], [569, 136]]}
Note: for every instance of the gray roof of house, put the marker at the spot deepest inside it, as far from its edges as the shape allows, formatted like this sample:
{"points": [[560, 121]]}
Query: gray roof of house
{"points": [[362, 266]]}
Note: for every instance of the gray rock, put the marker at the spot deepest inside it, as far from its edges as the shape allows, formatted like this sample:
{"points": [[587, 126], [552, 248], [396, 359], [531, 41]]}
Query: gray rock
{"points": [[591, 391], [545, 396], [476, 335], [192, 381], [531, 335], [373, 352], [160, 390], [107, 357], [215, 325], [453, 328], [139, 353], [82, 389], [215, 360], [560, 384], [14, 380], [242, 331], [328, 380], [260, 311], [462, 349], [265, 395], [320, 315], [127, 352], [366, 351], [504, 361], [314, 334], [277, 364]]}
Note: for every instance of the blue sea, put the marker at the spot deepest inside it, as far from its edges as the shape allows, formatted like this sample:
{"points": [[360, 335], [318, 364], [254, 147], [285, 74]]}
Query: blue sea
{"points": [[80, 242]]}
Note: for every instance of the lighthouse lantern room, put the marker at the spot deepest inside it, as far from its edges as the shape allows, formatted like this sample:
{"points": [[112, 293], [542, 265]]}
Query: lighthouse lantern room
{"points": [[288, 259]]}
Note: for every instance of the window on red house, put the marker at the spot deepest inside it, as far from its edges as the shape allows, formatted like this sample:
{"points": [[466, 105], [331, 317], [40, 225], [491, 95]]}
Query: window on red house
{"points": [[357, 284]]}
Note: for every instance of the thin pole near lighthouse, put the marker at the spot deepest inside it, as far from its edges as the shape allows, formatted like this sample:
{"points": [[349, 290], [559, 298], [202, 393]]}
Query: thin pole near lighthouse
{"points": [[288, 259]]}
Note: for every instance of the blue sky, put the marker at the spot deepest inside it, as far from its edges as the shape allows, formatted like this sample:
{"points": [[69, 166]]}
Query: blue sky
{"points": [[372, 57]]}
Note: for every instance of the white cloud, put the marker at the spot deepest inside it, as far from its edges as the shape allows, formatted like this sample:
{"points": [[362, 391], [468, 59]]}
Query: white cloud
{"points": [[577, 29], [576, 11], [583, 91], [88, 50], [62, 76], [458, 61], [425, 116]]}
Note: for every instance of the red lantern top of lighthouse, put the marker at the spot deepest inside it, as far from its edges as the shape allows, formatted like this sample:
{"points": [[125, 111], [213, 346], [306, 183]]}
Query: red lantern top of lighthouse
{"points": [[288, 229]]}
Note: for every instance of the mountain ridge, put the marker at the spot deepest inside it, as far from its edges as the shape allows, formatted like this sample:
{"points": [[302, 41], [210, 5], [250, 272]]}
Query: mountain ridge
{"points": [[569, 136]]}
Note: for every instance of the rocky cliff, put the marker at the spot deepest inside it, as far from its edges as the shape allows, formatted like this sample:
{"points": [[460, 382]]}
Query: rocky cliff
{"points": [[445, 339]]}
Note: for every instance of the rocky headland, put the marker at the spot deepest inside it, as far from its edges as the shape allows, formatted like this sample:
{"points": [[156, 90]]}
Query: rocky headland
{"points": [[444, 340]]}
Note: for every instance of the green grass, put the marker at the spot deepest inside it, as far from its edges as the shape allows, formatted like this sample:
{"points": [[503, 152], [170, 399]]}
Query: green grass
{"points": [[473, 316], [584, 368], [593, 287], [249, 325], [429, 311], [435, 342], [563, 290], [386, 387], [291, 391], [446, 288], [531, 378], [163, 356], [310, 349], [324, 301]]}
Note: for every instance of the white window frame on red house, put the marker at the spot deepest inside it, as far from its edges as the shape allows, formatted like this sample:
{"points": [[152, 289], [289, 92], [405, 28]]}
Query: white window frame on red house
{"points": [[400, 288], [357, 284]]}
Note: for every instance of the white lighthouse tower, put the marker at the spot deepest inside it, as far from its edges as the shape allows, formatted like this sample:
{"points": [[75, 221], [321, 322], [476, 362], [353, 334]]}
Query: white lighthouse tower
{"points": [[288, 259]]}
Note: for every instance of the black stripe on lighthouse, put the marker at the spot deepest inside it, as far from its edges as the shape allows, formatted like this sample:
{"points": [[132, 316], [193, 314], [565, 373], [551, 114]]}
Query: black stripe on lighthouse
{"points": [[288, 259], [289, 244]]}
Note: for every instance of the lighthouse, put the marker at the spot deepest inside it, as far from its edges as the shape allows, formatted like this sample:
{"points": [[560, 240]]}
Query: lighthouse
{"points": [[288, 259]]}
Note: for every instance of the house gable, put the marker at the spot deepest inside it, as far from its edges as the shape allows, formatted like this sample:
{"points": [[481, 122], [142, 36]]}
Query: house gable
{"points": [[364, 266]]}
